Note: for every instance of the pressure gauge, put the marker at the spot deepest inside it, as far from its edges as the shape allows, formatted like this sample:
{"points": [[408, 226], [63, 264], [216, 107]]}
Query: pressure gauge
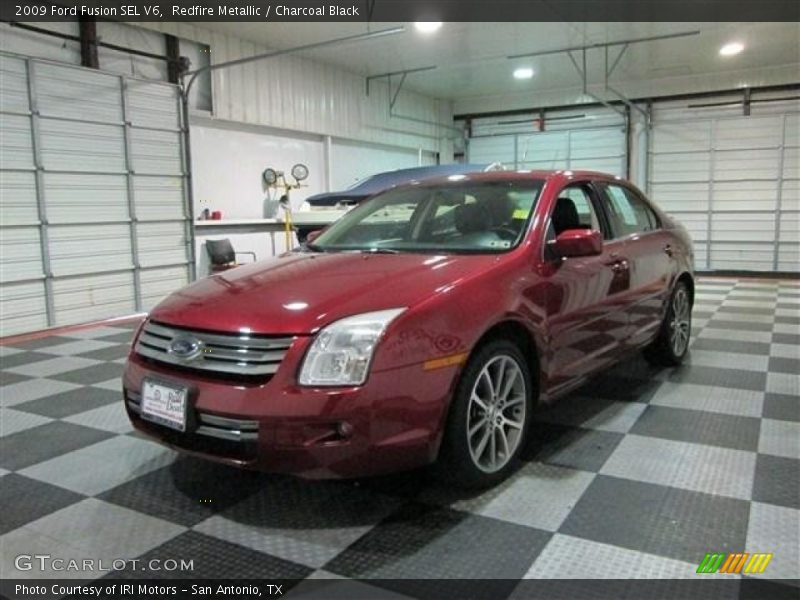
{"points": [[299, 172], [270, 176]]}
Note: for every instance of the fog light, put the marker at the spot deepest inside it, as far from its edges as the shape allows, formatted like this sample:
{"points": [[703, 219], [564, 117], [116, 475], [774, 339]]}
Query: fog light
{"points": [[344, 429]]}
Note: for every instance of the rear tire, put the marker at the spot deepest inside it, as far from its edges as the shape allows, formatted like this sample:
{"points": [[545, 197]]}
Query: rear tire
{"points": [[489, 417], [672, 343]]}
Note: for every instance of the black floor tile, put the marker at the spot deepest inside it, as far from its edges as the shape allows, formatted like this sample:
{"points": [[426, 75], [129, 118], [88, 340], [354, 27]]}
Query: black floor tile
{"points": [[731, 346], [657, 519], [763, 589], [779, 364], [110, 353], [37, 444], [186, 492], [699, 427], [8, 378], [426, 542], [94, 374], [573, 447], [788, 320], [623, 389], [214, 559], [781, 407], [729, 312], [120, 338], [713, 376], [69, 403], [786, 338], [24, 500], [777, 481], [23, 358], [45, 342], [730, 324]]}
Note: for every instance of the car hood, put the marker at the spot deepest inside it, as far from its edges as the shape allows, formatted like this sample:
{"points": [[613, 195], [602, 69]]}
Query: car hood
{"points": [[298, 293]]}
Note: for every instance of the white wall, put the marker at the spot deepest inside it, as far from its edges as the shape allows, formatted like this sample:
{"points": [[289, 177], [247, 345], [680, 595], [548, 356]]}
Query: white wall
{"points": [[229, 158], [315, 98]]}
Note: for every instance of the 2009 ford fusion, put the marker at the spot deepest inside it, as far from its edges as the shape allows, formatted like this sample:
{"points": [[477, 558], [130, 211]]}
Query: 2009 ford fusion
{"points": [[421, 327]]}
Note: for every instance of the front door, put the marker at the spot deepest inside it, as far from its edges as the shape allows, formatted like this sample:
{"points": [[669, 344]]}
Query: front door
{"points": [[587, 296]]}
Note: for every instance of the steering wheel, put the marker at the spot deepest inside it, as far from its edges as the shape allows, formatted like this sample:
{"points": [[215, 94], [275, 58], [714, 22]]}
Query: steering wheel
{"points": [[506, 232]]}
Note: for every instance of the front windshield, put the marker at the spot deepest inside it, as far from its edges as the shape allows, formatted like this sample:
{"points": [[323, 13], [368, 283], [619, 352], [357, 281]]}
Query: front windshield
{"points": [[469, 217]]}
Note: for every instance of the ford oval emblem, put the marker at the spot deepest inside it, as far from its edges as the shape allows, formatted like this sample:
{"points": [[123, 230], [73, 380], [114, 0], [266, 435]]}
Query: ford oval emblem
{"points": [[185, 347]]}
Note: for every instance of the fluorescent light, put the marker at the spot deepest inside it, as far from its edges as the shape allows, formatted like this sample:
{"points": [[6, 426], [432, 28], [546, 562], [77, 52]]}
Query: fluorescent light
{"points": [[731, 49], [523, 73], [427, 26]]}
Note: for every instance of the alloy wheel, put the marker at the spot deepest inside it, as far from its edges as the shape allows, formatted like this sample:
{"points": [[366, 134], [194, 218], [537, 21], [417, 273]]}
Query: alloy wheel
{"points": [[496, 413], [680, 324]]}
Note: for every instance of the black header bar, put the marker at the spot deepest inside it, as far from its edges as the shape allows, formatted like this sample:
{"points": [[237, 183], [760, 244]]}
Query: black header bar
{"points": [[402, 10]]}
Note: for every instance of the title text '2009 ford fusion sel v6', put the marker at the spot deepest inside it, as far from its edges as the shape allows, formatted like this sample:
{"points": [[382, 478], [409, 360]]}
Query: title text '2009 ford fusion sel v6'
{"points": [[421, 327]]}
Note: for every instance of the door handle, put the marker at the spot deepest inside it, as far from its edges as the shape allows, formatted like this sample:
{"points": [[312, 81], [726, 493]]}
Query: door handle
{"points": [[668, 250]]}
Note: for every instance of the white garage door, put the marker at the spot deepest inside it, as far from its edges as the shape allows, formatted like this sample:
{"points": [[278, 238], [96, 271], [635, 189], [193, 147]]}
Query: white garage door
{"points": [[732, 180], [353, 161], [92, 195], [593, 139]]}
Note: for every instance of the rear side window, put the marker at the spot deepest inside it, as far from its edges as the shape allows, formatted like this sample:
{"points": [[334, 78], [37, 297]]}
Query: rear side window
{"points": [[628, 213]]}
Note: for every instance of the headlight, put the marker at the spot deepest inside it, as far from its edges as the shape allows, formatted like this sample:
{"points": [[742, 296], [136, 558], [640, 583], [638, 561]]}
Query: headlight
{"points": [[342, 352]]}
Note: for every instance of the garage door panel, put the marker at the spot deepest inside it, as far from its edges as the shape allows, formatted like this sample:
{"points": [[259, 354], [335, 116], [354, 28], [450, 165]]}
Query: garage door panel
{"points": [[158, 283], [791, 163], [681, 137], [20, 254], [792, 130], [551, 148], [18, 204], [72, 146], [152, 104], [76, 249], [753, 132], [611, 165], [750, 227], [746, 195], [595, 143], [700, 255], [789, 227], [789, 257], [16, 146], [790, 195], [680, 167], [22, 307], [93, 297], [743, 256], [162, 243], [159, 198], [696, 223], [680, 196], [746, 164], [77, 93], [492, 149], [14, 88], [157, 152], [83, 198]]}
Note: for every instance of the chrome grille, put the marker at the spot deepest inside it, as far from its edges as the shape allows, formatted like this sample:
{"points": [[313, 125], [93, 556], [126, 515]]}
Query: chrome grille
{"points": [[239, 354]]}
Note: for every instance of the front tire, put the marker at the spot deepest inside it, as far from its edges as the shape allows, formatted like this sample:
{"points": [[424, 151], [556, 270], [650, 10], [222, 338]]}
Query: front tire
{"points": [[672, 343], [489, 417]]}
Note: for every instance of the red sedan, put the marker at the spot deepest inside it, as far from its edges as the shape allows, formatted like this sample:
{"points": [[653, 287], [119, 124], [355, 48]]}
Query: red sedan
{"points": [[421, 327]]}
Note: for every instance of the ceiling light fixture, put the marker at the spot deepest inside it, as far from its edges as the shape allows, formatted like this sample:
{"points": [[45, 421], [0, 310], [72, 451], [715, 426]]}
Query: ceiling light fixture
{"points": [[731, 49], [523, 73], [427, 26]]}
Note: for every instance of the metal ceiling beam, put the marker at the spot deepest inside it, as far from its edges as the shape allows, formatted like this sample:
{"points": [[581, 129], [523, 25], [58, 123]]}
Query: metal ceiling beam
{"points": [[324, 44], [651, 38], [391, 74]]}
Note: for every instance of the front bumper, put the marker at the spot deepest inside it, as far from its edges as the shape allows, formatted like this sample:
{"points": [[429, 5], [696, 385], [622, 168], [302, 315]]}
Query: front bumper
{"points": [[391, 423]]}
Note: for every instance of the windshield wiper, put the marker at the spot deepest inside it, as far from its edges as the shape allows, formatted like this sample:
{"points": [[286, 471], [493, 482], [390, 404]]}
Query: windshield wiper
{"points": [[380, 251]]}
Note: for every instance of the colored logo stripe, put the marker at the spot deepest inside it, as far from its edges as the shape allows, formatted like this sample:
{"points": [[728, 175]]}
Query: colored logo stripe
{"points": [[734, 563]]}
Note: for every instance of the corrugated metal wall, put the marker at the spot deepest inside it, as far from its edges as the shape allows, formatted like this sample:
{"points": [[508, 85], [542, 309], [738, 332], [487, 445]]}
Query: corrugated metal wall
{"points": [[316, 98], [732, 180], [580, 139], [92, 194]]}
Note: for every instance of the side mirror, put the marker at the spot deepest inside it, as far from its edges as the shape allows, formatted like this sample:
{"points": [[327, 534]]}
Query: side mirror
{"points": [[573, 243], [312, 235]]}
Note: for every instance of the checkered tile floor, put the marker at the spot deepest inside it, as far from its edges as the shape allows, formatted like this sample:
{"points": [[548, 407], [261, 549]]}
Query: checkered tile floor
{"points": [[637, 475]]}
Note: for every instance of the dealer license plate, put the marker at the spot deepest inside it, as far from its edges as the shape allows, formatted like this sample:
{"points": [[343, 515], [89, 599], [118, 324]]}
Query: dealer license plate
{"points": [[164, 404]]}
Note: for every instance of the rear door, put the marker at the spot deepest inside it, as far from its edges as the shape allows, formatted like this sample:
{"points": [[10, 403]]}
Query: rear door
{"points": [[587, 299], [647, 249]]}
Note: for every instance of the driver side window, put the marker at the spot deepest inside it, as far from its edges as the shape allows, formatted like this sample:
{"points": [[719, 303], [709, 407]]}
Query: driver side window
{"points": [[583, 204]]}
